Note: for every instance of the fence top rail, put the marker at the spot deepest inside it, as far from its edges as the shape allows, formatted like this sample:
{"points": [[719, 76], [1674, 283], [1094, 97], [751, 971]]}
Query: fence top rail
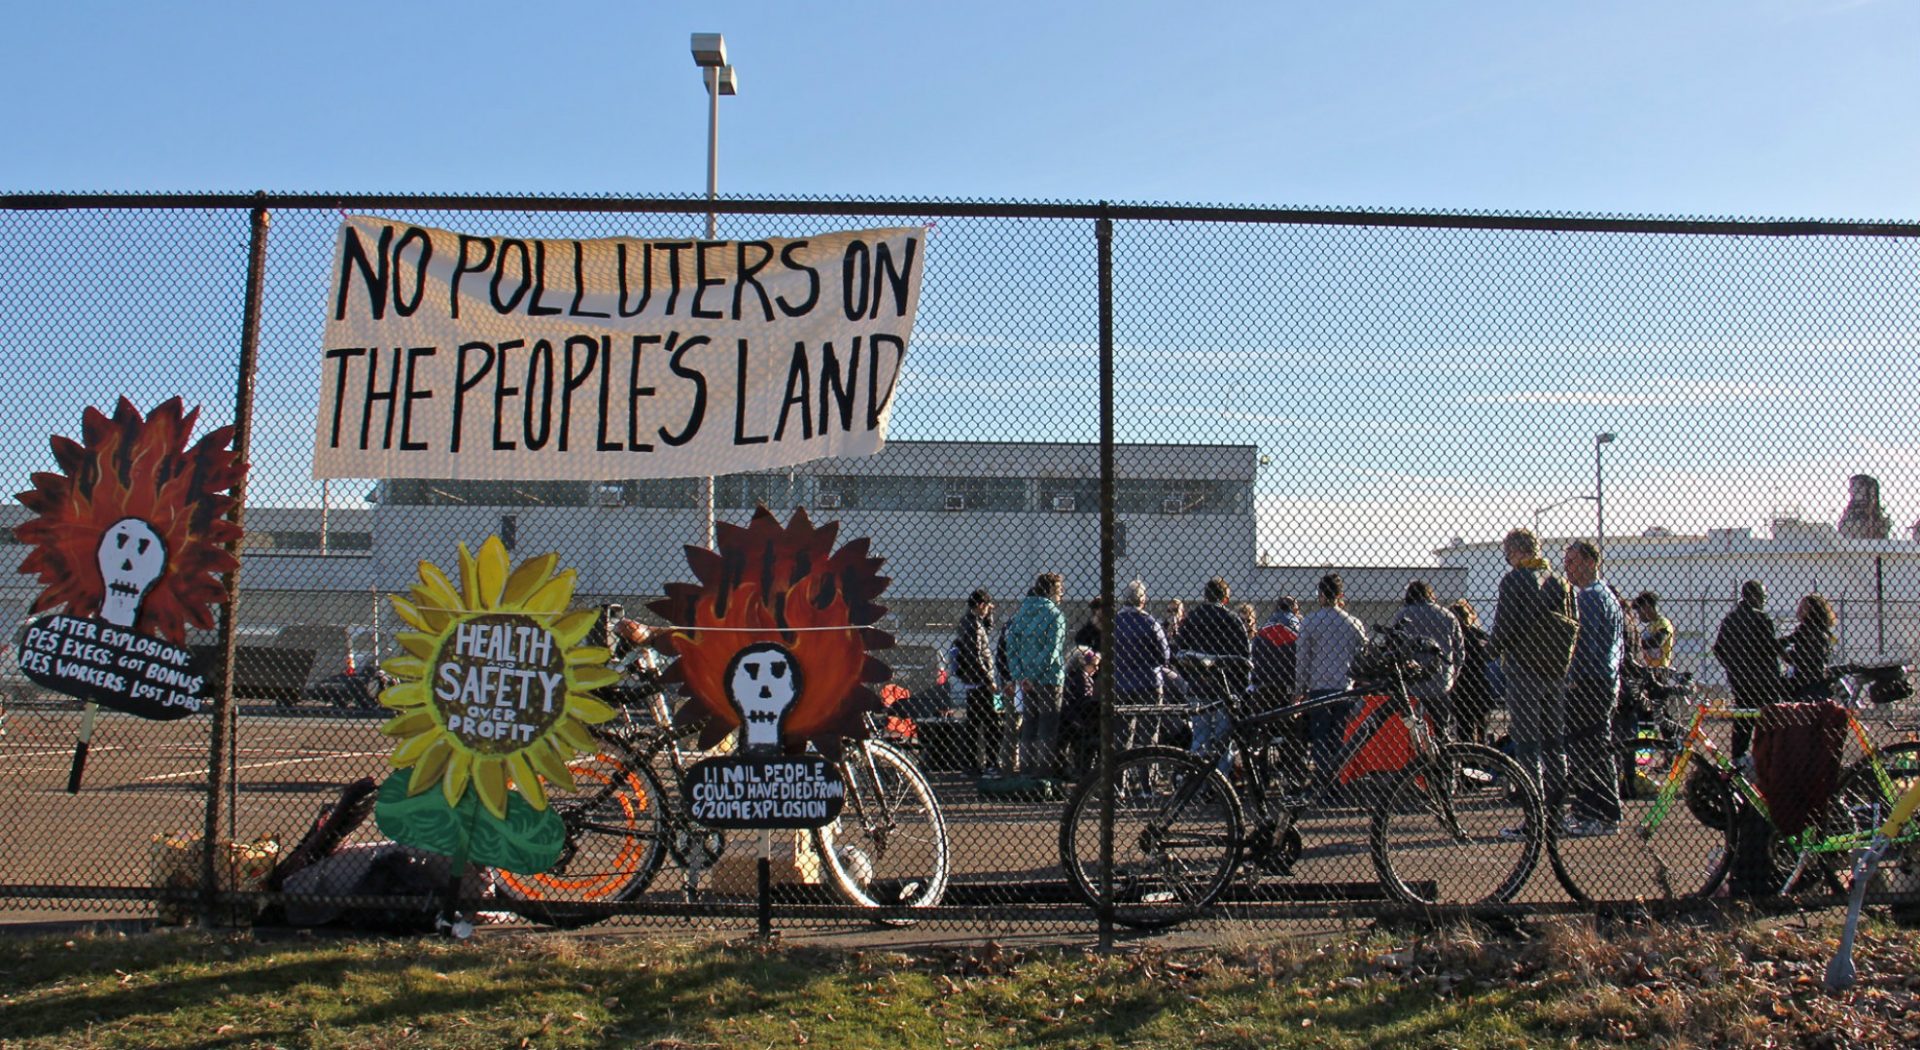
{"points": [[930, 207]]}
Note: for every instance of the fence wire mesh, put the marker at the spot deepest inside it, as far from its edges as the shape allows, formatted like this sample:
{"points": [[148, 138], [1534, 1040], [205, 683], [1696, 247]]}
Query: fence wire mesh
{"points": [[1300, 401]]}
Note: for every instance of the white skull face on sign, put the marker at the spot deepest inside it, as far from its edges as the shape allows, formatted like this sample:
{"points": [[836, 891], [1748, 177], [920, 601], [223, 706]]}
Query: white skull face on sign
{"points": [[132, 557], [763, 682]]}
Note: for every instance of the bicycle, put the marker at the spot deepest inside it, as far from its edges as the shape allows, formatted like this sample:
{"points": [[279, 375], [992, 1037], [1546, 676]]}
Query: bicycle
{"points": [[1182, 829], [886, 851], [1675, 857], [1895, 835]]}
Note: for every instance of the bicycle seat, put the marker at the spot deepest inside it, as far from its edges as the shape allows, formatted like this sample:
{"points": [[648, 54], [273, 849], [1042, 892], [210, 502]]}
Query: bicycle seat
{"points": [[1213, 675]]}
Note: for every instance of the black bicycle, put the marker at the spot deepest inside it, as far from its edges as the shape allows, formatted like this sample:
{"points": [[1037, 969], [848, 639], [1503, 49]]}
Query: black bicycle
{"points": [[627, 814], [1454, 824]]}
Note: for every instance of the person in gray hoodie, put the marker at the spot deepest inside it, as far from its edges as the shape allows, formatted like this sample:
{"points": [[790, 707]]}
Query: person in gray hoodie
{"points": [[1329, 637], [1422, 617]]}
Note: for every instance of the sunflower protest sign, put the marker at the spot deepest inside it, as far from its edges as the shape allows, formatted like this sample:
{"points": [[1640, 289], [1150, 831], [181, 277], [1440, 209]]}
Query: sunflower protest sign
{"points": [[493, 698], [128, 540], [452, 355]]}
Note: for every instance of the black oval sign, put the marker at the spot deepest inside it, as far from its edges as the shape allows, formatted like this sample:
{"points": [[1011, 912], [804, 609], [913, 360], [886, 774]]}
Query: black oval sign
{"points": [[786, 791]]}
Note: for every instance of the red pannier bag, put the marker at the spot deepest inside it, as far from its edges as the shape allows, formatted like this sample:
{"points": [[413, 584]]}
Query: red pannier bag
{"points": [[1388, 750]]}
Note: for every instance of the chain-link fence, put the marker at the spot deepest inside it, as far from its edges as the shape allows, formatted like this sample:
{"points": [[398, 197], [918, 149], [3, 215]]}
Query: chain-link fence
{"points": [[1189, 414]]}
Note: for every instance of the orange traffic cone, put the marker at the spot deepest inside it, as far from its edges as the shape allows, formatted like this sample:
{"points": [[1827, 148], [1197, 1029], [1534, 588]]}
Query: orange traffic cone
{"points": [[350, 670]]}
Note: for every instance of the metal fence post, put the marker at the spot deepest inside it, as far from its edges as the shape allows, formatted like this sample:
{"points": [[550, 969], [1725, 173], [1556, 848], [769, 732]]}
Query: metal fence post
{"points": [[1103, 233], [222, 743]]}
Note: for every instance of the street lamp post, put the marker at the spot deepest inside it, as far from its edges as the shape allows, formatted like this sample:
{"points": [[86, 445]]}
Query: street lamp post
{"points": [[710, 54], [1600, 492]]}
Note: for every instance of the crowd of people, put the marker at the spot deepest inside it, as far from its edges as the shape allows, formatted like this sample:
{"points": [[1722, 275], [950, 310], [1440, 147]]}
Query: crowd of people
{"points": [[1566, 655]]}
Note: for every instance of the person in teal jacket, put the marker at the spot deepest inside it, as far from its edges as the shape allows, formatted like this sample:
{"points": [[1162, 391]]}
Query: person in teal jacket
{"points": [[1036, 659]]}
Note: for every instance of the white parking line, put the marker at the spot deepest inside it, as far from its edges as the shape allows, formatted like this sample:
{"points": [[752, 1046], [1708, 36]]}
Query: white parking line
{"points": [[268, 765]]}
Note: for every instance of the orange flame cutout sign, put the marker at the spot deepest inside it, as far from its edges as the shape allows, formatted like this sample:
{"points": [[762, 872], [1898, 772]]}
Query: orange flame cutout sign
{"points": [[785, 585], [126, 467]]}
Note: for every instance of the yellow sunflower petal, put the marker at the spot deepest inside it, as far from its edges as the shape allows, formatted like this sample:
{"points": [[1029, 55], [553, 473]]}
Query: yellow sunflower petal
{"points": [[526, 579], [406, 695], [433, 762], [553, 596], [454, 782], [407, 666], [469, 578], [492, 566], [409, 752], [589, 656], [418, 720], [525, 781], [490, 783], [424, 646], [435, 591], [586, 709], [550, 764], [594, 677], [576, 736], [572, 627], [406, 611]]}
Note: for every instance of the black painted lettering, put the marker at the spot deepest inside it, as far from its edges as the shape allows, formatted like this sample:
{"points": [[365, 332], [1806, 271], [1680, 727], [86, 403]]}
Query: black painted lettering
{"points": [[353, 256], [500, 274], [534, 309], [788, 259], [675, 364], [646, 278], [580, 286], [897, 278], [413, 393], [344, 355], [856, 273], [576, 378], [606, 393], [540, 365], [740, 435], [840, 395], [377, 393], [400, 305], [746, 271], [466, 265], [635, 392], [876, 403], [673, 250], [701, 282], [799, 392], [501, 391], [463, 382]]}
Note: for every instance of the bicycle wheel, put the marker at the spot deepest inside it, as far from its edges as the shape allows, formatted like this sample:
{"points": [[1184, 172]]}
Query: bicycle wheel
{"points": [[1176, 838], [1463, 828], [1859, 806], [1672, 842], [614, 842], [888, 848]]}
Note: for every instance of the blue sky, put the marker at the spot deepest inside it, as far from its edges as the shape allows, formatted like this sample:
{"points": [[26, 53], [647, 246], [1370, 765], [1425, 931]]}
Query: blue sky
{"points": [[1764, 107], [1772, 108]]}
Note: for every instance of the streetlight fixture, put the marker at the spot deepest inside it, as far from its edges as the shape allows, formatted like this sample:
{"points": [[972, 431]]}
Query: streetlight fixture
{"points": [[1600, 492], [710, 54]]}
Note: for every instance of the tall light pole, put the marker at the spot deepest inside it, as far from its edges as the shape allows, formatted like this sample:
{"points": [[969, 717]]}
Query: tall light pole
{"points": [[710, 54], [1600, 492]]}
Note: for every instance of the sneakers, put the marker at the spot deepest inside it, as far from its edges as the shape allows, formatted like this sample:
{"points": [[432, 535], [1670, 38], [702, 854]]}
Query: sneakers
{"points": [[1517, 833], [1585, 828]]}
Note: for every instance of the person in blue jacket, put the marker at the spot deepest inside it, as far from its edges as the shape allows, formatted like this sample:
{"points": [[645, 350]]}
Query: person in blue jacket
{"points": [[1036, 659]]}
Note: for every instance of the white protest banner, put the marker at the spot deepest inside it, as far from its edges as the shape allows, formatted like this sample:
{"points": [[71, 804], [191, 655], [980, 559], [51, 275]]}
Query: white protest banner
{"points": [[450, 355]]}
